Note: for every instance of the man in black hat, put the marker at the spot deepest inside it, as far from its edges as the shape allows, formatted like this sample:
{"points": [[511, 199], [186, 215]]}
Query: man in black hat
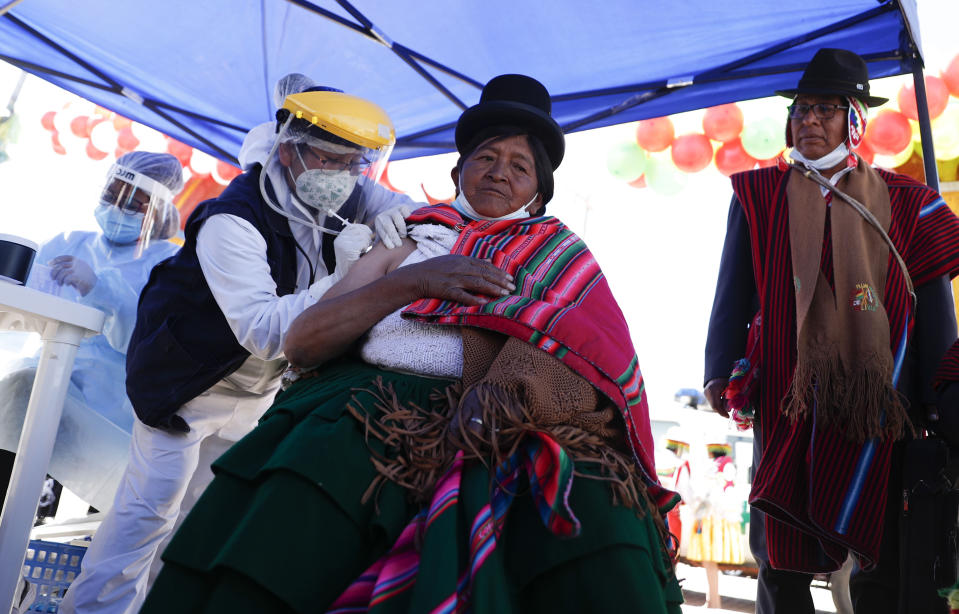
{"points": [[827, 250]]}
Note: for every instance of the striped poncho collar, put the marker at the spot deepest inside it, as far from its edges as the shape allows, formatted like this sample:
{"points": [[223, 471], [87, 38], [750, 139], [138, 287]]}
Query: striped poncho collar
{"points": [[562, 305]]}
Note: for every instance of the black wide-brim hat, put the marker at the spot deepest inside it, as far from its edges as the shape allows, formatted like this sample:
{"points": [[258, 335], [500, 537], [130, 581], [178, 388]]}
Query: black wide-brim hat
{"points": [[836, 72], [513, 100]]}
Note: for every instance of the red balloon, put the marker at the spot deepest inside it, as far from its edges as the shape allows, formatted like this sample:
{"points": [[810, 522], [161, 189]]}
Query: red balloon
{"points": [[865, 152], [888, 133], [93, 153], [768, 161], [47, 121], [182, 151], [655, 134], [80, 126], [638, 183], [57, 147], [732, 158], [950, 76], [692, 153], [723, 123], [937, 97], [126, 140], [224, 173]]}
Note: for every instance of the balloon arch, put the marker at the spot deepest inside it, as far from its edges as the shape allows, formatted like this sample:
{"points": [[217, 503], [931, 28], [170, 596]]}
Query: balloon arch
{"points": [[657, 157], [732, 142]]}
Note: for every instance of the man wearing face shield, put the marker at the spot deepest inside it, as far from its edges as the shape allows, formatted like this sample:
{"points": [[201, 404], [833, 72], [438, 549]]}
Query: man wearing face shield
{"points": [[206, 355], [105, 270]]}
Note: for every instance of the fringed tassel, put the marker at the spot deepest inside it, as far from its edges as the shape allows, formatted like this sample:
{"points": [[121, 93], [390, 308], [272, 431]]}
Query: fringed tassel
{"points": [[871, 406], [817, 377], [862, 404], [738, 393], [427, 442]]}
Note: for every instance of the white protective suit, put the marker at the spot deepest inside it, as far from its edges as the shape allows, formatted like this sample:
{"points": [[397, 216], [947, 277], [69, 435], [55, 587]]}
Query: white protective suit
{"points": [[167, 471], [94, 435]]}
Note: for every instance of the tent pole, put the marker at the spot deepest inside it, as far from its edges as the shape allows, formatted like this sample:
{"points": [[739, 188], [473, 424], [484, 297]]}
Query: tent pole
{"points": [[925, 129]]}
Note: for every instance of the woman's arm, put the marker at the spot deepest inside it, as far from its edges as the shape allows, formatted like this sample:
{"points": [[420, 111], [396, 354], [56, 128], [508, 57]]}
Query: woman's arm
{"points": [[377, 286]]}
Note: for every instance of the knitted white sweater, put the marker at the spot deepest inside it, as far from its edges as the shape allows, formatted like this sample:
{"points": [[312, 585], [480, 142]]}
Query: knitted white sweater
{"points": [[407, 345]]}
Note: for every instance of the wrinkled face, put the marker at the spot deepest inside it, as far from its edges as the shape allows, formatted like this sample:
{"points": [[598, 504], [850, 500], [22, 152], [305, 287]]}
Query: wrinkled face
{"points": [[815, 137], [499, 177]]}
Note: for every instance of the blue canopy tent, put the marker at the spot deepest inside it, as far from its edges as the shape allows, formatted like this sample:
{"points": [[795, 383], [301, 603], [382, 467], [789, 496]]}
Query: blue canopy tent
{"points": [[203, 72]]}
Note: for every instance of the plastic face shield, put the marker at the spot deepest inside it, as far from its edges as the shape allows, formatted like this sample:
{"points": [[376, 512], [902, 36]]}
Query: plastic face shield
{"points": [[348, 136], [130, 197]]}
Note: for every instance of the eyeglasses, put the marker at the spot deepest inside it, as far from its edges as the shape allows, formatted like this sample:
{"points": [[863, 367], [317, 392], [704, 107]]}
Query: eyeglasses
{"points": [[130, 200], [356, 166], [822, 110]]}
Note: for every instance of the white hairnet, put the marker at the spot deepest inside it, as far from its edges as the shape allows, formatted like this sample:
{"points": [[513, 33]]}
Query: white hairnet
{"points": [[162, 167], [166, 169], [293, 83]]}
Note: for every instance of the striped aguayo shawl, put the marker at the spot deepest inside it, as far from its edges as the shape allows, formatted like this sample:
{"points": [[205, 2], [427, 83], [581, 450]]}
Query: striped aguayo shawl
{"points": [[562, 305], [823, 493], [550, 474]]}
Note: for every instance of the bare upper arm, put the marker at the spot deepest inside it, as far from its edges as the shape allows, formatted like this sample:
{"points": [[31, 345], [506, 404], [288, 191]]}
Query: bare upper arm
{"points": [[375, 264]]}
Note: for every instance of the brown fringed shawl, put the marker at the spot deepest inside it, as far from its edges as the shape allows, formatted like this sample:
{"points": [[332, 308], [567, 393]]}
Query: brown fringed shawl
{"points": [[823, 492]]}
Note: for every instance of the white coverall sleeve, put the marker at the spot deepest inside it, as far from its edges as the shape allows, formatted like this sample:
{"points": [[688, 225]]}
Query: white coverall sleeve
{"points": [[117, 299], [232, 255]]}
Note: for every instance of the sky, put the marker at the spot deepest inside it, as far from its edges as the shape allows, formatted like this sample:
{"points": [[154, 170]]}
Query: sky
{"points": [[660, 253]]}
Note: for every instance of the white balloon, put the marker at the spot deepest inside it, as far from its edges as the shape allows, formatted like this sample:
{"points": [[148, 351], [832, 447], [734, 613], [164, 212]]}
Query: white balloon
{"points": [[103, 136], [202, 163], [150, 139]]}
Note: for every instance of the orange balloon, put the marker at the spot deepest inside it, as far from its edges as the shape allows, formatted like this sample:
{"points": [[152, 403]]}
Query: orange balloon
{"points": [[723, 123], [937, 97], [655, 134]]}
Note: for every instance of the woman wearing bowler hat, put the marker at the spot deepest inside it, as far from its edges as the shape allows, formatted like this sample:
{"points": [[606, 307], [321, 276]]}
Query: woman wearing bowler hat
{"points": [[459, 433]]}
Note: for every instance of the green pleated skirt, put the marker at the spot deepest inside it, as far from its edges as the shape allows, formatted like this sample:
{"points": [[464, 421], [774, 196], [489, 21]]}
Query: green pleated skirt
{"points": [[282, 528]]}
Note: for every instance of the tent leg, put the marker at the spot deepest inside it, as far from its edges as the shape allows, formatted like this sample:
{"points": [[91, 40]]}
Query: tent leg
{"points": [[925, 129]]}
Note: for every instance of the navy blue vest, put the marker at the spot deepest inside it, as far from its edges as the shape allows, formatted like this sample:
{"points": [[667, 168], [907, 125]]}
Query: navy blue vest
{"points": [[182, 343]]}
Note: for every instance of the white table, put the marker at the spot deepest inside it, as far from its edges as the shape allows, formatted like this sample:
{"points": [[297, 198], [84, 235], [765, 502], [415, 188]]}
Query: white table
{"points": [[62, 324]]}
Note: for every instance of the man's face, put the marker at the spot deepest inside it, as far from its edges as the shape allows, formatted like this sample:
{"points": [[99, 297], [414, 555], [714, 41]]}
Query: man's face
{"points": [[814, 137]]}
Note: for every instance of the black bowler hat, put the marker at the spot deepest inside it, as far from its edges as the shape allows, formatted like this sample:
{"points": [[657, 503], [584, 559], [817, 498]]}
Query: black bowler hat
{"points": [[836, 72], [514, 100]]}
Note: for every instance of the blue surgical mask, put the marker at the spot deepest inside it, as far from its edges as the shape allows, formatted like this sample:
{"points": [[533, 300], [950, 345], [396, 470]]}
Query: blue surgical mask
{"points": [[118, 226]]}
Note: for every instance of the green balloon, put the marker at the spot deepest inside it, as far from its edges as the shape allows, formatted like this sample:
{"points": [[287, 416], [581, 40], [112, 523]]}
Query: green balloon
{"points": [[626, 161], [764, 138], [663, 177]]}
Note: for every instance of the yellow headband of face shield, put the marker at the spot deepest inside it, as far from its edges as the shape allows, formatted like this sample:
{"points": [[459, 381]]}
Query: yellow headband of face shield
{"points": [[348, 117]]}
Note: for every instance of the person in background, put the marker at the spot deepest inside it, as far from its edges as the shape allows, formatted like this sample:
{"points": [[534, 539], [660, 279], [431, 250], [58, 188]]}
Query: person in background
{"points": [[673, 471], [845, 346], [715, 536], [105, 270], [206, 354], [471, 451]]}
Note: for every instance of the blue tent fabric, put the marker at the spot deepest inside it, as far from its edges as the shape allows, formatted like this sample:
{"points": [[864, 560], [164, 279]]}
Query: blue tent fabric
{"points": [[203, 72]]}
